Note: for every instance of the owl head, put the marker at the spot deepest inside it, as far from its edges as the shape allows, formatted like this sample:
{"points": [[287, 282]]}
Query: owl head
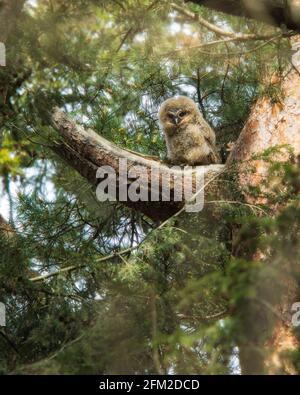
{"points": [[177, 112]]}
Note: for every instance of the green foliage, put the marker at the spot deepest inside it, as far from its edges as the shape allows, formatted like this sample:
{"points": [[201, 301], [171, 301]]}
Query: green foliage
{"points": [[168, 305]]}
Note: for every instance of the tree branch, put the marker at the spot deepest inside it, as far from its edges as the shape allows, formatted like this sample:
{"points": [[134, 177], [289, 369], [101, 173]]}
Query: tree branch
{"points": [[71, 268], [274, 12], [86, 151], [235, 36]]}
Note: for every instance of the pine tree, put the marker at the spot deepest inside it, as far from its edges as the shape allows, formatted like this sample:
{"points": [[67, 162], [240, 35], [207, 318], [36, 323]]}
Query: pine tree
{"points": [[104, 288]]}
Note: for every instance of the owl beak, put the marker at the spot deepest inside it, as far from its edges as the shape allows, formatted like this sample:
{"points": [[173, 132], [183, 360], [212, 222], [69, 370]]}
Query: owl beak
{"points": [[176, 119]]}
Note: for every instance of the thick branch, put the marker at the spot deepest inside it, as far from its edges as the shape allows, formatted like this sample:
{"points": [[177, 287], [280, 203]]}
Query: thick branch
{"points": [[86, 151]]}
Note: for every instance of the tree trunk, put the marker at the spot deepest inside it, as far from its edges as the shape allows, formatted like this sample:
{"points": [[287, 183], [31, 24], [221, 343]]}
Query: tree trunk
{"points": [[270, 124]]}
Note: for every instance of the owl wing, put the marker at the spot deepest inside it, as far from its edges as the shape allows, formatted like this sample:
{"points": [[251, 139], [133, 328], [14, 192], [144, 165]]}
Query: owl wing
{"points": [[210, 138], [207, 132]]}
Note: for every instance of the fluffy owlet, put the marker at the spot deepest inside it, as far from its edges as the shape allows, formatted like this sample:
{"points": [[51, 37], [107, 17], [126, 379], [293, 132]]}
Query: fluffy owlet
{"points": [[189, 138]]}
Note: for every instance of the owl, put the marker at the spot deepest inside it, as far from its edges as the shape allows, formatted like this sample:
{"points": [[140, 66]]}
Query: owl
{"points": [[189, 138]]}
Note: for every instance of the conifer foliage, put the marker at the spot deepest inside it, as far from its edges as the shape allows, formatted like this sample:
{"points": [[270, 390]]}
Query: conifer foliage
{"points": [[185, 297]]}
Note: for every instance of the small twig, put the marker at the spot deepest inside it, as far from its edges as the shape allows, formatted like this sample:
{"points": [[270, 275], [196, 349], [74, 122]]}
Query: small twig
{"points": [[189, 201], [223, 41], [224, 81], [71, 268], [252, 206], [155, 352], [200, 98]]}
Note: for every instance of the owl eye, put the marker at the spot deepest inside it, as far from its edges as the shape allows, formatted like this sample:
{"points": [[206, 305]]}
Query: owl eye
{"points": [[182, 114]]}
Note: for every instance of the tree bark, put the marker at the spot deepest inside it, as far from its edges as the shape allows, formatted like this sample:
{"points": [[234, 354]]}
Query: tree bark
{"points": [[270, 124], [5, 228]]}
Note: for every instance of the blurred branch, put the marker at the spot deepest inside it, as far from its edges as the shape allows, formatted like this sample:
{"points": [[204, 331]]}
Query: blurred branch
{"points": [[273, 12], [9, 12], [155, 348], [71, 268], [224, 41], [235, 36]]}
